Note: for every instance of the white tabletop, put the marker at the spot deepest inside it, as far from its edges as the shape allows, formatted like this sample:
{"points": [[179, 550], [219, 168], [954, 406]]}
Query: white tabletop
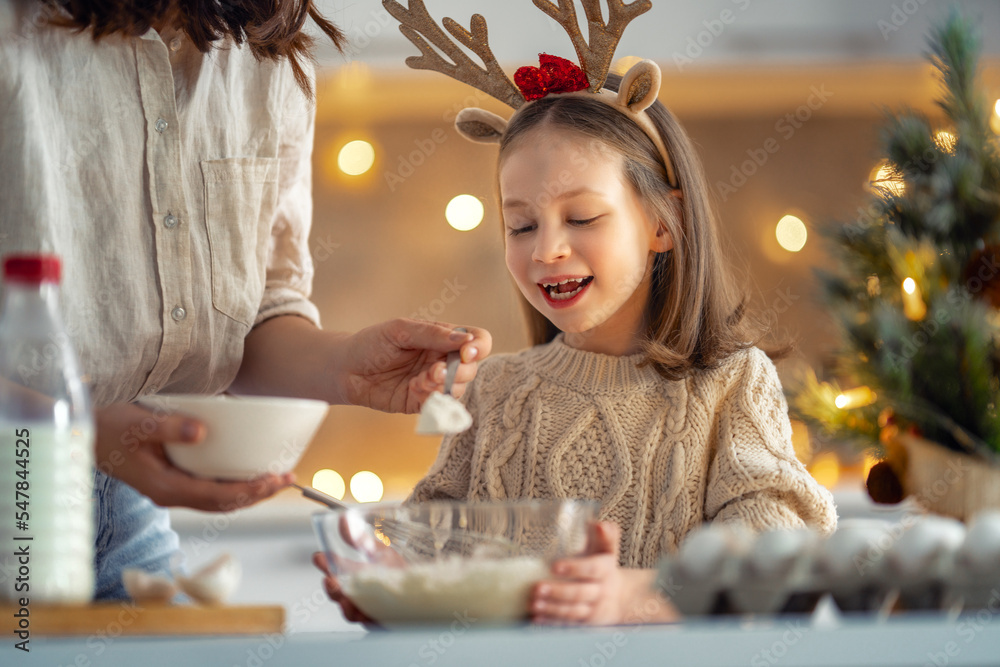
{"points": [[820, 639]]}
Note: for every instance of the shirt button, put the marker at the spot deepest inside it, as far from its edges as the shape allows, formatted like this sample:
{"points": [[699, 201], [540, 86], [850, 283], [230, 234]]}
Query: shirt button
{"points": [[153, 389], [170, 221], [178, 314], [160, 125], [175, 43]]}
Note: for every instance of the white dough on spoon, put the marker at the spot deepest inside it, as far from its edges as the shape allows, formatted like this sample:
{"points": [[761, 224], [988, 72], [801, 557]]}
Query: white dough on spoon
{"points": [[441, 414]]}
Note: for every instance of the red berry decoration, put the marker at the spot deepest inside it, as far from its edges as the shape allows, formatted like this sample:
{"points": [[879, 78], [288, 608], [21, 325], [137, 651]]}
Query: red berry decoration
{"points": [[553, 75]]}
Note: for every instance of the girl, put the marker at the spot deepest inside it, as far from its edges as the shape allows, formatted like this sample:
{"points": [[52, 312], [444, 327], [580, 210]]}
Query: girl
{"points": [[643, 390]]}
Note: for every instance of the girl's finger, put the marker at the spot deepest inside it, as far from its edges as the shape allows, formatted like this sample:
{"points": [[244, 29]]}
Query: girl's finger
{"points": [[319, 560], [585, 567], [563, 613], [567, 592]]}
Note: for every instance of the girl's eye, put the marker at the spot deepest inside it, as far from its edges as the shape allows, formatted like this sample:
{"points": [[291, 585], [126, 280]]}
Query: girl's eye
{"points": [[583, 223], [515, 231]]}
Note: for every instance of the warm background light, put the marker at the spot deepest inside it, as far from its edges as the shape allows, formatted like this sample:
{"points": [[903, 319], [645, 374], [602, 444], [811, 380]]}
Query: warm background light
{"points": [[885, 178], [366, 487], [910, 285], [356, 157], [825, 469], [945, 140], [329, 482], [464, 212], [855, 398], [791, 233]]}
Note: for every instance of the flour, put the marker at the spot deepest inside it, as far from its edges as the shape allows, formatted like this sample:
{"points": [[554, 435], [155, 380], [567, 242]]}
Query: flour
{"points": [[490, 591], [443, 413]]}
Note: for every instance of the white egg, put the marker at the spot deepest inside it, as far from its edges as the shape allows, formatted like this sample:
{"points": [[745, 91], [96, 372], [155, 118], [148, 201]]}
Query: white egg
{"points": [[981, 549], [709, 550], [920, 550], [214, 583], [855, 550], [147, 588], [775, 552]]}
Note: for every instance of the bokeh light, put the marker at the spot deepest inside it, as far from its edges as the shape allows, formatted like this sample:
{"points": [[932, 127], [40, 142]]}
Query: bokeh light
{"points": [[945, 140], [329, 482], [825, 469], [791, 233], [464, 212], [356, 157], [366, 487], [886, 178]]}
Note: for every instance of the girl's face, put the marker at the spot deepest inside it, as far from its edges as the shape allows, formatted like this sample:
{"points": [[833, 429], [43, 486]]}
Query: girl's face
{"points": [[579, 240]]}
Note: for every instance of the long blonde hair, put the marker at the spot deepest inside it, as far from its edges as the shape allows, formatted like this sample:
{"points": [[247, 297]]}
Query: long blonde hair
{"points": [[695, 315]]}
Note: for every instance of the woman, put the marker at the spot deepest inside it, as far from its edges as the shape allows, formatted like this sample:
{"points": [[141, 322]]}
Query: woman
{"points": [[162, 149]]}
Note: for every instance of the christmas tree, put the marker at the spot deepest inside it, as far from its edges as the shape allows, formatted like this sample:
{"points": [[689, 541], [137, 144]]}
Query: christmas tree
{"points": [[917, 290]]}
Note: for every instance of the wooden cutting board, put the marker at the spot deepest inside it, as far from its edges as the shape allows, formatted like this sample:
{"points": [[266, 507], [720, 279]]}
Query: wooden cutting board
{"points": [[112, 619]]}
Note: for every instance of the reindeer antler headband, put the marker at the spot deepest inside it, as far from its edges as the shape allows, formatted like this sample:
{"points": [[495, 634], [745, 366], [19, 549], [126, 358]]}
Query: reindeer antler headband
{"points": [[638, 90]]}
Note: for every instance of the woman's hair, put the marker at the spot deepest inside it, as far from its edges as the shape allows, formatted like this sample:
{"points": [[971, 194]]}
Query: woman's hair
{"points": [[695, 316], [272, 29]]}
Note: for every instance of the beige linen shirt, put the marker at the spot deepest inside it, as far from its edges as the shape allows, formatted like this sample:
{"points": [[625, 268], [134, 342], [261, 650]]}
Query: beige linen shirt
{"points": [[174, 185]]}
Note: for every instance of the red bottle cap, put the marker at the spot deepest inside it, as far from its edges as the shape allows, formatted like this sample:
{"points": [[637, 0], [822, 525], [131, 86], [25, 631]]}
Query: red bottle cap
{"points": [[32, 268]]}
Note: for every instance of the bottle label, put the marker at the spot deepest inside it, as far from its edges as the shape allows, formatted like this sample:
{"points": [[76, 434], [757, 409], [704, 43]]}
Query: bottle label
{"points": [[46, 513]]}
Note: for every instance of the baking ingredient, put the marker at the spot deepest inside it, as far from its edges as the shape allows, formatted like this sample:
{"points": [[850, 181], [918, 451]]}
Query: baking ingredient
{"points": [[146, 588], [491, 591], [214, 583], [443, 413]]}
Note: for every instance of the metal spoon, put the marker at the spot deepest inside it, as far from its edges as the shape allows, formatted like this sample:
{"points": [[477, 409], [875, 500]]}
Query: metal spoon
{"points": [[454, 358], [320, 497]]}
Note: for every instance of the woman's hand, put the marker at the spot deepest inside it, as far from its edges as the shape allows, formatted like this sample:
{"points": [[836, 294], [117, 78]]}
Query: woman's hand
{"points": [[594, 590], [336, 593], [392, 366], [130, 447], [395, 365]]}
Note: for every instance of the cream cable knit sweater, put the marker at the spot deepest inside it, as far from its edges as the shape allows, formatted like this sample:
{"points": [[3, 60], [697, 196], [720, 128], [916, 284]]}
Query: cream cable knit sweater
{"points": [[660, 456]]}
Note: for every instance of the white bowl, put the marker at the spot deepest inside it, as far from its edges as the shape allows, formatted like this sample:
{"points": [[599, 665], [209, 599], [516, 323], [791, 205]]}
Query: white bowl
{"points": [[246, 437]]}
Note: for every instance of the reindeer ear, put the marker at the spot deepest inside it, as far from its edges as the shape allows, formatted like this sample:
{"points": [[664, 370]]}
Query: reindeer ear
{"points": [[640, 86], [481, 126]]}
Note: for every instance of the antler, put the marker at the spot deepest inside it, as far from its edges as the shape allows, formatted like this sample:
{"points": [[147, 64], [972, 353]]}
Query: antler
{"points": [[595, 56], [416, 24]]}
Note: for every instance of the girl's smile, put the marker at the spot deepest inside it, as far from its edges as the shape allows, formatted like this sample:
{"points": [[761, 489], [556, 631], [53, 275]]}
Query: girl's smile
{"points": [[579, 240]]}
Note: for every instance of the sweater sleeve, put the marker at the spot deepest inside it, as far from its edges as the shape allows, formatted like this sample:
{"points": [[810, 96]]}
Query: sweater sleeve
{"points": [[755, 478], [450, 475]]}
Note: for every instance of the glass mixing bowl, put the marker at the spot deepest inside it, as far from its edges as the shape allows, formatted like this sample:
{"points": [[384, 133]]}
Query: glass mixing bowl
{"points": [[442, 561]]}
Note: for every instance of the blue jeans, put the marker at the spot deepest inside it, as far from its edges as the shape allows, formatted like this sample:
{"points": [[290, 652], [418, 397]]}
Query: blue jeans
{"points": [[131, 532]]}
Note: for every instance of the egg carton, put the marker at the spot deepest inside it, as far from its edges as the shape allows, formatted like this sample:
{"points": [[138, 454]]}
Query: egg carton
{"points": [[921, 563]]}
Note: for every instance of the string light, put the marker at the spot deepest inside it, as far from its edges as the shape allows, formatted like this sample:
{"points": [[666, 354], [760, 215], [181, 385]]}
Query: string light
{"points": [[791, 233], [329, 482], [884, 177], [356, 157], [366, 487], [855, 398], [464, 212], [913, 303]]}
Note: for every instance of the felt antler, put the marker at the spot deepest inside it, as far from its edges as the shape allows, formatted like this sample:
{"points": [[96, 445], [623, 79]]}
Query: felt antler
{"points": [[595, 56], [417, 25]]}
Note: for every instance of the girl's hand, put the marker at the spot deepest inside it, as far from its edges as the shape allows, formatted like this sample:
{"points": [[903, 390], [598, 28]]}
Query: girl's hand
{"points": [[336, 593], [594, 590], [395, 365]]}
